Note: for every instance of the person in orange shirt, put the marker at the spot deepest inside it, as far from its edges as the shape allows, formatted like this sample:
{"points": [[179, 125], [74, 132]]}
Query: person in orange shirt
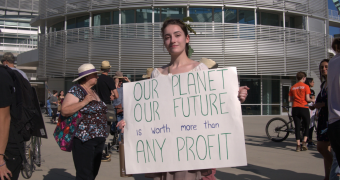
{"points": [[299, 95]]}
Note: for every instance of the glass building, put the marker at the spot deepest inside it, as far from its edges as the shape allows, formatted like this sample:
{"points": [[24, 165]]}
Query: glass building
{"points": [[268, 41], [17, 35]]}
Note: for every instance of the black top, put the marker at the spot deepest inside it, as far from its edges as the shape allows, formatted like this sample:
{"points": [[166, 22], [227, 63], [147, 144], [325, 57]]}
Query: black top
{"points": [[7, 96], [105, 85], [312, 93]]}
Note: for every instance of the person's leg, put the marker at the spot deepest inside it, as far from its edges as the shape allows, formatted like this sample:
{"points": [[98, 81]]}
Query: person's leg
{"points": [[119, 118], [49, 110], [334, 169], [14, 163], [54, 117], [324, 149], [98, 151], [83, 155], [334, 137], [306, 120], [297, 123]]}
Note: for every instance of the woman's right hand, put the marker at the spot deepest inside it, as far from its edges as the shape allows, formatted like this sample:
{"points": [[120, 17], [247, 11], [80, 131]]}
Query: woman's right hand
{"points": [[121, 124], [88, 98]]}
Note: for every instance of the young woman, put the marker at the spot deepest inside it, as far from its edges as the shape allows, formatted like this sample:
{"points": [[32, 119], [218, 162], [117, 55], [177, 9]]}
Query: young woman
{"points": [[176, 41], [323, 145], [54, 106], [312, 111]]}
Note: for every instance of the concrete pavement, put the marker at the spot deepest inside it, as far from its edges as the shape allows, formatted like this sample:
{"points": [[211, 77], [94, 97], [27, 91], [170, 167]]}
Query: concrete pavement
{"points": [[266, 159]]}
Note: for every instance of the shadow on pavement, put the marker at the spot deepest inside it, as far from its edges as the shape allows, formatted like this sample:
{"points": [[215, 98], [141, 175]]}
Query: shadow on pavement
{"points": [[140, 177], [57, 174], [265, 174]]}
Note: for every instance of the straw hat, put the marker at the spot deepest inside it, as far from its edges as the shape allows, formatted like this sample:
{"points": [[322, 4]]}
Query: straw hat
{"points": [[118, 75], [148, 73], [105, 65], [84, 70], [209, 63]]}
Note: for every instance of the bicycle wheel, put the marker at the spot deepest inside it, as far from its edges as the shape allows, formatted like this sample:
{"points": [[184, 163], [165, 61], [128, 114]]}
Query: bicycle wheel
{"points": [[277, 129], [27, 168], [36, 143]]}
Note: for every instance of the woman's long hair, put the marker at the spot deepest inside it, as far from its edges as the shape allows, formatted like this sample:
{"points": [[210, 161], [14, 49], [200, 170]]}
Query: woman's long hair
{"points": [[308, 81], [322, 78]]}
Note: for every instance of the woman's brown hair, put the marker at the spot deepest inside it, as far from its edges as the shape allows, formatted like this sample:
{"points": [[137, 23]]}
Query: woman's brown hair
{"points": [[181, 25]]}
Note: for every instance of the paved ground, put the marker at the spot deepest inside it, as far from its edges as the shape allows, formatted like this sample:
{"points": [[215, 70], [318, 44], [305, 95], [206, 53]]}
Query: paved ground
{"points": [[266, 159]]}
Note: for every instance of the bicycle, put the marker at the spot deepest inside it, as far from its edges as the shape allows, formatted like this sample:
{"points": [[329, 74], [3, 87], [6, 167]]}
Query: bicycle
{"points": [[32, 155], [281, 128]]}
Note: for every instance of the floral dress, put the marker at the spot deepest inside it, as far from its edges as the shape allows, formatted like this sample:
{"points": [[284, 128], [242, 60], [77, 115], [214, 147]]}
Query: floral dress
{"points": [[94, 122], [323, 115]]}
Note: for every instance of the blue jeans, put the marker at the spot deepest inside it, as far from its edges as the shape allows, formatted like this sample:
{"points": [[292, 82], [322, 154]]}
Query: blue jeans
{"points": [[334, 169], [49, 110]]}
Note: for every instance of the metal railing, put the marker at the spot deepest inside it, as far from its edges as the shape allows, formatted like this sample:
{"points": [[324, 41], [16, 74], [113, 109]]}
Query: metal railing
{"points": [[20, 5], [132, 48], [50, 8], [27, 45]]}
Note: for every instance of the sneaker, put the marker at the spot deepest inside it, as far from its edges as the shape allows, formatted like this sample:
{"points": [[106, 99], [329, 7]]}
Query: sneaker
{"points": [[298, 148], [107, 155], [311, 144], [104, 159], [304, 147]]}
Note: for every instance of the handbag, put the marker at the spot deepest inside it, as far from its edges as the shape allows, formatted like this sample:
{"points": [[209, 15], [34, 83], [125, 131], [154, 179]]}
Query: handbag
{"points": [[65, 130], [119, 108]]}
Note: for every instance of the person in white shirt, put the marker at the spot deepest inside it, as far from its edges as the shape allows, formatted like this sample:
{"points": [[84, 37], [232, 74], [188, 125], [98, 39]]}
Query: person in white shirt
{"points": [[333, 80]]}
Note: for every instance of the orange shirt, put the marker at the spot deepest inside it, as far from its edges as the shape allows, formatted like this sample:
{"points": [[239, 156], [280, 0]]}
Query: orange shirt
{"points": [[299, 92]]}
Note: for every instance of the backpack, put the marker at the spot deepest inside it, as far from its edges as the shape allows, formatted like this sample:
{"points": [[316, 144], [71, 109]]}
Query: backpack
{"points": [[25, 114]]}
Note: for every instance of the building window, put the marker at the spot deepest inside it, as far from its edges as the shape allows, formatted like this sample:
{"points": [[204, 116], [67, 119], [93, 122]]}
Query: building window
{"points": [[128, 16], [83, 21], [144, 15], [269, 19], [115, 17], [23, 24], [71, 23], [11, 23], [270, 91], [11, 40], [255, 86], [251, 109], [217, 15], [102, 19], [201, 14], [230, 16], [246, 17], [173, 13], [271, 110], [58, 27]]}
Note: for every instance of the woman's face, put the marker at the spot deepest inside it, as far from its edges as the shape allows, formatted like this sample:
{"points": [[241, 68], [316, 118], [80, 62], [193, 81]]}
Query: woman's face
{"points": [[311, 84], [324, 68], [92, 78], [175, 40], [61, 93]]}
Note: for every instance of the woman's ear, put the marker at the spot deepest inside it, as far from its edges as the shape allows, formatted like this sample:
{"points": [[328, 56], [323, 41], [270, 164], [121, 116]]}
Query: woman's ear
{"points": [[187, 39]]}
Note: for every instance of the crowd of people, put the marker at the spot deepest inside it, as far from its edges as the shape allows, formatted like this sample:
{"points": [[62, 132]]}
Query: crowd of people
{"points": [[99, 99]]}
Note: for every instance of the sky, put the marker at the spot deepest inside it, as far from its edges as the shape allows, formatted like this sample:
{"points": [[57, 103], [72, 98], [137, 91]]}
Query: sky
{"points": [[332, 30]]}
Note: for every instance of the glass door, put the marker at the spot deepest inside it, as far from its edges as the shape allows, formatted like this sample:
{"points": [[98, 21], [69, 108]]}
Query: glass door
{"points": [[285, 102]]}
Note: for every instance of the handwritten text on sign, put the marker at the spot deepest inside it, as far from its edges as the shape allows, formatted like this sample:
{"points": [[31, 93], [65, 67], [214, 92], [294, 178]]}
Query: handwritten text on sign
{"points": [[184, 122]]}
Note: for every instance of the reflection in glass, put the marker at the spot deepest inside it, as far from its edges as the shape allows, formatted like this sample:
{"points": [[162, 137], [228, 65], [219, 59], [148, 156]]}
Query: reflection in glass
{"points": [[71, 23], [173, 13], [58, 27], [251, 109], [128, 16], [269, 19], [271, 110], [144, 15], [230, 16], [102, 19], [201, 14], [254, 96], [246, 17], [270, 91], [157, 12], [218, 15], [115, 17], [285, 92], [83, 21]]}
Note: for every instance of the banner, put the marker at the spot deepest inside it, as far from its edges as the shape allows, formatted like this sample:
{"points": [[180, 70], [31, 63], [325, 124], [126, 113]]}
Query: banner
{"points": [[184, 122]]}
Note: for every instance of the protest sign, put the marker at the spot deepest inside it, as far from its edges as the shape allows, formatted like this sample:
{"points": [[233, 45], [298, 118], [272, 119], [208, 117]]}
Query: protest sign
{"points": [[184, 122]]}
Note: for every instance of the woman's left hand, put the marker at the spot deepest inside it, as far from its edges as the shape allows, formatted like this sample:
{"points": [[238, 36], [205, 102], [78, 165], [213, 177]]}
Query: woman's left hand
{"points": [[121, 124], [243, 93]]}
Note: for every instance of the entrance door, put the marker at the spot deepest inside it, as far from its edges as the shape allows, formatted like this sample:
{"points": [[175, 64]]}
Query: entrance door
{"points": [[284, 101]]}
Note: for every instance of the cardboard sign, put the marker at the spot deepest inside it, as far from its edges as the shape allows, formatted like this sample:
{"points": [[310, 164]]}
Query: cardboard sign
{"points": [[184, 122]]}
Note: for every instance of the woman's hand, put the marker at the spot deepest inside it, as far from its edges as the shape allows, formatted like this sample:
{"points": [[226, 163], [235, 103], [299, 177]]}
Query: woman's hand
{"points": [[319, 105], [243, 93], [4, 172], [88, 98], [121, 124]]}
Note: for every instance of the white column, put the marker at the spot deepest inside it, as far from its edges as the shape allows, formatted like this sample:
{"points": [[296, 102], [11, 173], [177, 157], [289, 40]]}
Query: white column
{"points": [[153, 14], [90, 20], [255, 16], [65, 23], [222, 14], [120, 17]]}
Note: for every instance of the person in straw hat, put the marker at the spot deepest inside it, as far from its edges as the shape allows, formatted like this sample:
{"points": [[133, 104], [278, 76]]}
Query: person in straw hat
{"points": [[89, 138], [148, 73], [107, 91]]}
